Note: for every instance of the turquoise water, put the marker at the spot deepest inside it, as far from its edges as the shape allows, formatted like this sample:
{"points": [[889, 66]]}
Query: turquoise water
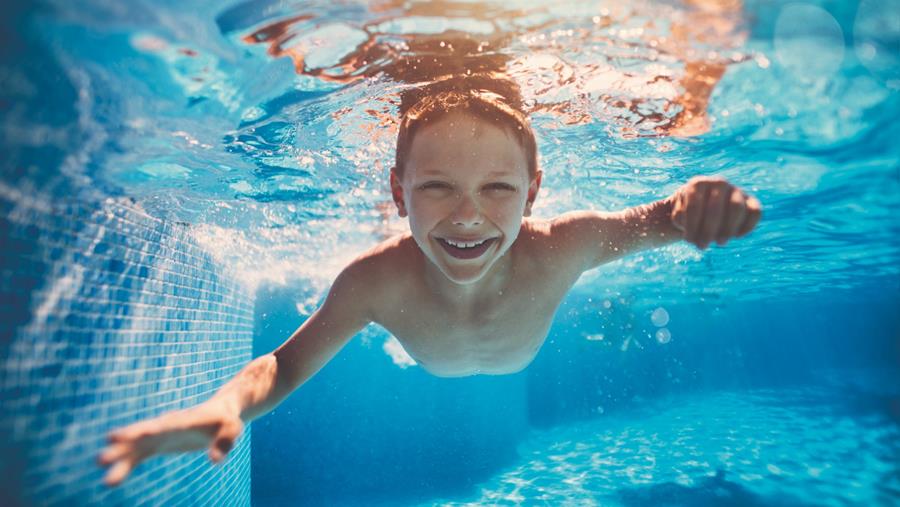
{"points": [[727, 448], [179, 111], [762, 373]]}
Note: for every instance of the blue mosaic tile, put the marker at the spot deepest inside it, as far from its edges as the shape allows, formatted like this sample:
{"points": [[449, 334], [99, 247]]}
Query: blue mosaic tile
{"points": [[95, 334]]}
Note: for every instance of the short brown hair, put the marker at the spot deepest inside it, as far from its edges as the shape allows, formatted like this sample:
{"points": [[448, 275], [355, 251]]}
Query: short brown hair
{"points": [[486, 96]]}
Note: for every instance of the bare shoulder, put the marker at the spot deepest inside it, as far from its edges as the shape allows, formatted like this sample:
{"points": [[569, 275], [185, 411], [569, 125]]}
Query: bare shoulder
{"points": [[387, 259], [535, 234], [540, 244], [379, 274], [576, 241], [539, 260]]}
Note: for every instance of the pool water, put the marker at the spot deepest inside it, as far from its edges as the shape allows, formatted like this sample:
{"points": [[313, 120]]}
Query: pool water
{"points": [[183, 180], [792, 446]]}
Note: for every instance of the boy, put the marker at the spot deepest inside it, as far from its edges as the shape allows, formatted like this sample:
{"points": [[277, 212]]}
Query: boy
{"points": [[472, 288]]}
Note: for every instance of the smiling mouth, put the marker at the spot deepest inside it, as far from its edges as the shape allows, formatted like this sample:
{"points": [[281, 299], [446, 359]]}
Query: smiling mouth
{"points": [[466, 249]]}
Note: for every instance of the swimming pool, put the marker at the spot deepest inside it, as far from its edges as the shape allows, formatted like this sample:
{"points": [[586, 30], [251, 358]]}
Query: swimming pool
{"points": [[182, 181]]}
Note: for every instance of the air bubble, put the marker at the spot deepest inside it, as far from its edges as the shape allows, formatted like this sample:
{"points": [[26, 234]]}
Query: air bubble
{"points": [[663, 335], [875, 32], [809, 42], [659, 317]]}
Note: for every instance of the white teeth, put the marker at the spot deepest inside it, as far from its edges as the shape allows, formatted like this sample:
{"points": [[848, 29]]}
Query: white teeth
{"points": [[465, 244]]}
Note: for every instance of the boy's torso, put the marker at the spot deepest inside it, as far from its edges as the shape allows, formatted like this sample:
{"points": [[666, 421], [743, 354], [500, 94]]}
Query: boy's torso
{"points": [[499, 333]]}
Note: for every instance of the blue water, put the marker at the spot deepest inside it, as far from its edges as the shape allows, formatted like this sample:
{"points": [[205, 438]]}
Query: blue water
{"points": [[766, 372]]}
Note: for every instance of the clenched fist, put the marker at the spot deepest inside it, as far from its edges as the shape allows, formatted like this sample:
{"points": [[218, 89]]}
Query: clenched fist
{"points": [[708, 209]]}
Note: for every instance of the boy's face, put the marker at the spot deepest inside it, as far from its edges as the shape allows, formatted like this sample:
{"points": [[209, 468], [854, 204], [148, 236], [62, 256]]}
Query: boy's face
{"points": [[465, 188]]}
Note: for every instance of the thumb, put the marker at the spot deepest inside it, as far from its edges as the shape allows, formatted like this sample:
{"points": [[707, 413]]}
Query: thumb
{"points": [[679, 217], [224, 441], [678, 220]]}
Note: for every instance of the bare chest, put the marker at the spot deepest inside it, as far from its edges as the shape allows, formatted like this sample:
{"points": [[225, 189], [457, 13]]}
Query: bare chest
{"points": [[499, 335]]}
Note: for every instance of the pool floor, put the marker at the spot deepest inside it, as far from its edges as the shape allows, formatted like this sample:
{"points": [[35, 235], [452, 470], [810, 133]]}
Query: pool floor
{"points": [[806, 445]]}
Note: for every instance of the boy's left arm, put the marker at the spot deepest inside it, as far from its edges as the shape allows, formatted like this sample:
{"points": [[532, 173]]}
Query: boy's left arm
{"points": [[703, 210]]}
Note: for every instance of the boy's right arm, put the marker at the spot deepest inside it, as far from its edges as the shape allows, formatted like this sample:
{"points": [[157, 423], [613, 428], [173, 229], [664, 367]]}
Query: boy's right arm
{"points": [[344, 313], [255, 390]]}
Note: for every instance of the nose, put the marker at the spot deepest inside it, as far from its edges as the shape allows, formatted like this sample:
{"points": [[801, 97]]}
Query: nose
{"points": [[467, 212]]}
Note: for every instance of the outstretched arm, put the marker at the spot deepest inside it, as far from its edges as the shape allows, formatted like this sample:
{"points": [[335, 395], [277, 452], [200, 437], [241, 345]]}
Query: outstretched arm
{"points": [[255, 390], [704, 210]]}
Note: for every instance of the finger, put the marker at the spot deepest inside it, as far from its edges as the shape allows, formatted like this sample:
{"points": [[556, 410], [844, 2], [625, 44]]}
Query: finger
{"points": [[119, 472], [115, 436], [754, 211], [737, 210], [216, 455], [224, 441], [112, 454], [712, 216], [696, 203], [130, 432], [220, 449], [678, 216]]}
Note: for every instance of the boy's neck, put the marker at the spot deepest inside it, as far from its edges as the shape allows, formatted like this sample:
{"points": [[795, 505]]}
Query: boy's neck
{"points": [[492, 284]]}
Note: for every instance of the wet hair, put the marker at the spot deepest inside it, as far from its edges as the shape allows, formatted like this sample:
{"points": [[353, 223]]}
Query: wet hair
{"points": [[487, 96]]}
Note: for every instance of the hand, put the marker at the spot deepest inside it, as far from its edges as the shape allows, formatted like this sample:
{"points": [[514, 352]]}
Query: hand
{"points": [[206, 425], [708, 209]]}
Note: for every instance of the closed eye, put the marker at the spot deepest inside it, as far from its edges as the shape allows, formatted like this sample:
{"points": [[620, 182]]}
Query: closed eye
{"points": [[501, 186]]}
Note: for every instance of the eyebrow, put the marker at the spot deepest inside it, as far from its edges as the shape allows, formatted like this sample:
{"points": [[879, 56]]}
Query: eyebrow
{"points": [[435, 172]]}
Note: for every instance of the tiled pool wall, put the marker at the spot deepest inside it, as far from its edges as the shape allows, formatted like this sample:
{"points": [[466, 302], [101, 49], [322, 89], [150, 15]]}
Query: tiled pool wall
{"points": [[109, 316]]}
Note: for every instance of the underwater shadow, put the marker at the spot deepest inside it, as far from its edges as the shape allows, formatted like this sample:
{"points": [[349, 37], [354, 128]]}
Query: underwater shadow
{"points": [[713, 491]]}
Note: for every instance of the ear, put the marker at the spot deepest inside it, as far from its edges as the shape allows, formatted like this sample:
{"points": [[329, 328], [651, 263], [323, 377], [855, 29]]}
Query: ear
{"points": [[397, 192], [533, 188]]}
